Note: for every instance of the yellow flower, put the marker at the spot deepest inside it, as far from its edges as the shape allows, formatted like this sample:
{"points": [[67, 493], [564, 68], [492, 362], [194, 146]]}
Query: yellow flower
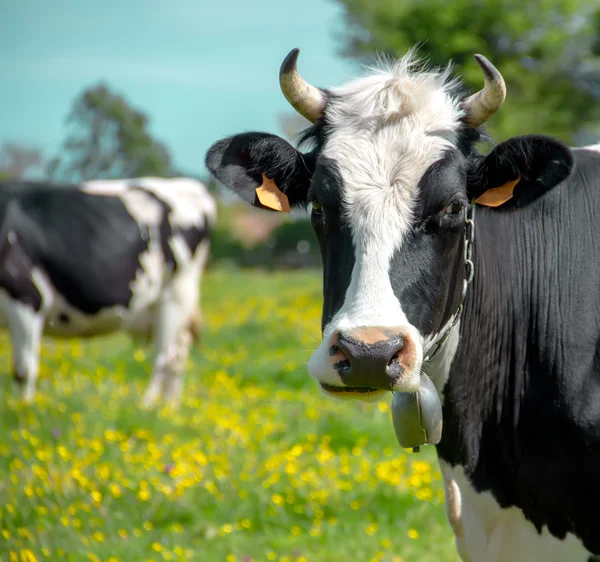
{"points": [[28, 556], [383, 407], [98, 536], [413, 534]]}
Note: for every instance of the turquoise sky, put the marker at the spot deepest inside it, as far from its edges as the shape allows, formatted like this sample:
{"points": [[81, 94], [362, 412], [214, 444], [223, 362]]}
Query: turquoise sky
{"points": [[200, 69]]}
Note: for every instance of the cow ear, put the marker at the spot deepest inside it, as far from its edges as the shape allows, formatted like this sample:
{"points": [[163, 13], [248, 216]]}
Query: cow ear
{"points": [[519, 171], [263, 169]]}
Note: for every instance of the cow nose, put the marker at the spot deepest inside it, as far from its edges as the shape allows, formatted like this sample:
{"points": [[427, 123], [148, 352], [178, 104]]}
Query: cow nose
{"points": [[371, 357]]}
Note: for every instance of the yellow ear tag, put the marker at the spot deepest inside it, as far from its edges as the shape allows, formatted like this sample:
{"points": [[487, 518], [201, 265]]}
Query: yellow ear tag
{"points": [[496, 196], [270, 196]]}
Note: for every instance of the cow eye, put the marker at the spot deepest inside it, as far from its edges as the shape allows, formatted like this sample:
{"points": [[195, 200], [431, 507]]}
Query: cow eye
{"points": [[453, 208], [316, 207]]}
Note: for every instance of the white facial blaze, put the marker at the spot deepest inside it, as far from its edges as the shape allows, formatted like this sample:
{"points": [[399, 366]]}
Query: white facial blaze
{"points": [[386, 131]]}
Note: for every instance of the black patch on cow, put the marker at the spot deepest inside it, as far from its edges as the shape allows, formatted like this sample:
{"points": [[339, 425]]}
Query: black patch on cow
{"points": [[193, 236], [16, 271], [522, 403], [88, 245], [425, 275], [334, 236]]}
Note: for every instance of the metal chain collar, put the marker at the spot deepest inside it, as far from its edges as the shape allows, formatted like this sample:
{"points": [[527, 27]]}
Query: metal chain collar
{"points": [[469, 271]]}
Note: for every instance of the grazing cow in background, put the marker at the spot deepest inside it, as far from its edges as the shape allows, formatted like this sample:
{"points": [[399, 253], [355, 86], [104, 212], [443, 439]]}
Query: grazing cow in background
{"points": [[396, 184], [104, 256]]}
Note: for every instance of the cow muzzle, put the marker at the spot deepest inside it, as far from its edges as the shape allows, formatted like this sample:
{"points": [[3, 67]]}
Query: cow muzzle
{"points": [[368, 361], [372, 359]]}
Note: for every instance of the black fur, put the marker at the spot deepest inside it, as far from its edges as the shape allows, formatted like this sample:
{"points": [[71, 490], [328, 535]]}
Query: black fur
{"points": [[88, 246], [541, 163], [522, 404], [239, 162], [15, 271]]}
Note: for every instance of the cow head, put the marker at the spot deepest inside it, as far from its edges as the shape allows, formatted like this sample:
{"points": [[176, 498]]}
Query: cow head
{"points": [[389, 179]]}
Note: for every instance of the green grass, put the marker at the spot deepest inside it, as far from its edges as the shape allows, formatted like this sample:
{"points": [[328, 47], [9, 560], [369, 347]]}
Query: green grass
{"points": [[255, 465]]}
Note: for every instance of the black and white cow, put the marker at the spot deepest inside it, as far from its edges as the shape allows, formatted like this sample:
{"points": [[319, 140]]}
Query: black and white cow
{"points": [[104, 256], [393, 179]]}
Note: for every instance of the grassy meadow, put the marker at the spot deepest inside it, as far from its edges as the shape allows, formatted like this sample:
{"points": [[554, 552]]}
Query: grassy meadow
{"points": [[256, 465]]}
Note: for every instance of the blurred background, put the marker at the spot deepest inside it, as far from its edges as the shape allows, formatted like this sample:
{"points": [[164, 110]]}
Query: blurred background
{"points": [[257, 465], [109, 90]]}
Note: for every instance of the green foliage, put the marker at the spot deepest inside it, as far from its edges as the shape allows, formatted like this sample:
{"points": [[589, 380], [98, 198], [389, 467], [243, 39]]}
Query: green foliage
{"points": [[108, 139], [548, 52]]}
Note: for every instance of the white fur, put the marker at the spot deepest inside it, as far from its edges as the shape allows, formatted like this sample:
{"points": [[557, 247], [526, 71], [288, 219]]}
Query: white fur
{"points": [[186, 196], [485, 532], [383, 139]]}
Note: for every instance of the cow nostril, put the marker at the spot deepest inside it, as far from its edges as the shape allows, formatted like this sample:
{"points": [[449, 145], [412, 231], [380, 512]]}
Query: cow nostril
{"points": [[343, 367], [394, 367], [342, 364]]}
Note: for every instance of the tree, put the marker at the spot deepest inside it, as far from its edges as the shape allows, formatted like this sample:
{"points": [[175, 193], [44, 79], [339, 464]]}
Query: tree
{"points": [[16, 160], [108, 139], [548, 52]]}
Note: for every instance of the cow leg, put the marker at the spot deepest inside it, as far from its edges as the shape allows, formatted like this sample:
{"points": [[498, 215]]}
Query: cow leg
{"points": [[173, 381], [170, 323], [25, 296], [26, 327]]}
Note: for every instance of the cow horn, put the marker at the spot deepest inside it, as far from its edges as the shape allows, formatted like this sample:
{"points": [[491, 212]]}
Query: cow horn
{"points": [[481, 106], [304, 98]]}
